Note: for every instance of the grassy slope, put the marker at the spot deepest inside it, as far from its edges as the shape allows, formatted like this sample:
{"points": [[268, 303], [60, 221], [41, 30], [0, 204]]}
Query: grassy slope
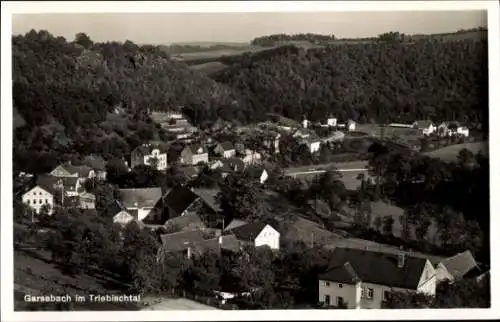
{"points": [[450, 153], [34, 273]]}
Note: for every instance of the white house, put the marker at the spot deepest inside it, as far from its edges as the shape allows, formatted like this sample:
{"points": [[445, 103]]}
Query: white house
{"points": [[305, 123], [144, 154], [351, 125], [39, 196], [331, 121], [257, 234], [140, 202], [426, 126], [364, 279]]}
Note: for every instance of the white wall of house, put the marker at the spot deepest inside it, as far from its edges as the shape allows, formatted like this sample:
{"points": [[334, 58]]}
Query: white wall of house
{"points": [[229, 153], [332, 121], [199, 158], [351, 126], [264, 176], [141, 212], [428, 280], [462, 130], [252, 158], [314, 146], [268, 236], [160, 157], [350, 294], [37, 197], [123, 218]]}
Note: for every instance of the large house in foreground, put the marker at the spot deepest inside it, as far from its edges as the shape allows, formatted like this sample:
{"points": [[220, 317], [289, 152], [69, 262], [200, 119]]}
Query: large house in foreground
{"points": [[364, 279], [456, 267]]}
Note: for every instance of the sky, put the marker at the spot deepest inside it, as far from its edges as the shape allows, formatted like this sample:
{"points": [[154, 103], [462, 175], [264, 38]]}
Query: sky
{"points": [[165, 28]]}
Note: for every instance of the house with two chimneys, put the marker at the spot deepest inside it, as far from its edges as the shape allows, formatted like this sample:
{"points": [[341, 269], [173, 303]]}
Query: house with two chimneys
{"points": [[362, 279], [149, 154], [194, 154]]}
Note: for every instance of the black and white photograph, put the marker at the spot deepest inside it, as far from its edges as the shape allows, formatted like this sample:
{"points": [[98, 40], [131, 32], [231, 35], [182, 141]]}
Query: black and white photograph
{"points": [[213, 161]]}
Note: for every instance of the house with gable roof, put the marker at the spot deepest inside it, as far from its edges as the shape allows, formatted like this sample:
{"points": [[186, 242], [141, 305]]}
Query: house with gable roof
{"points": [[256, 234], [365, 279], [68, 170], [457, 267], [98, 164], [142, 202], [38, 196], [194, 154], [225, 149]]}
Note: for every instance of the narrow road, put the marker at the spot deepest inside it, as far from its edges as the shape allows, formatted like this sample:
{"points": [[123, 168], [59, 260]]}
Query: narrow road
{"points": [[354, 166]]}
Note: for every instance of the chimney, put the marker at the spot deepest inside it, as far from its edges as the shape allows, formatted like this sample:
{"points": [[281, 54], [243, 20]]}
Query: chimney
{"points": [[304, 123], [189, 253], [401, 258]]}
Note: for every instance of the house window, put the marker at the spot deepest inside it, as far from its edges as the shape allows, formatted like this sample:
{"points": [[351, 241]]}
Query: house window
{"points": [[370, 293], [340, 285], [28, 201], [340, 301], [363, 292], [327, 299], [46, 200], [386, 295], [327, 283]]}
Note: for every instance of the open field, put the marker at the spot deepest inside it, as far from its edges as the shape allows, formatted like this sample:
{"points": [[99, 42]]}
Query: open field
{"points": [[177, 304], [209, 67], [209, 54], [450, 152]]}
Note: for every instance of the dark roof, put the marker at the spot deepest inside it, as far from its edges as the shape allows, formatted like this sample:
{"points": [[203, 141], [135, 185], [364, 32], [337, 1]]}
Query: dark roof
{"points": [[195, 147], [52, 183], [180, 198], [227, 146], [235, 164], [140, 197], [209, 197], [228, 242], [423, 124], [148, 148], [115, 207], [181, 240], [82, 170], [249, 231], [375, 267], [460, 264], [344, 274], [96, 162]]}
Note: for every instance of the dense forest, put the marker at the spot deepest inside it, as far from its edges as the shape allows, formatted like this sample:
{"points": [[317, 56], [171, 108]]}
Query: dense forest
{"points": [[380, 82], [66, 94]]}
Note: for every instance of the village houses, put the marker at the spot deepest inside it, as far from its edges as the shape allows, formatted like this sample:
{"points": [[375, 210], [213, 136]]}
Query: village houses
{"points": [[149, 154], [457, 267], [451, 129], [194, 154], [362, 279], [142, 202]]}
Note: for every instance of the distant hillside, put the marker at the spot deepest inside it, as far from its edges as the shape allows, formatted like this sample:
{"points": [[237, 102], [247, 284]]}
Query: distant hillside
{"points": [[66, 91], [384, 81]]}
